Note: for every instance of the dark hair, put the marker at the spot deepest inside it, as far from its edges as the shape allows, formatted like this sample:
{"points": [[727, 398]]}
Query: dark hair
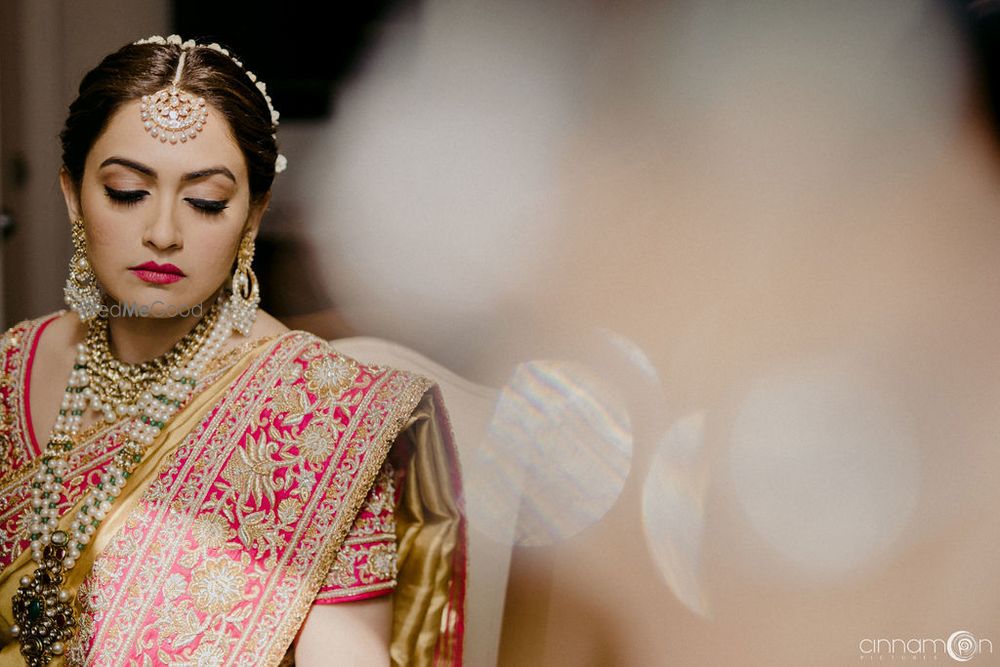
{"points": [[979, 24], [142, 69]]}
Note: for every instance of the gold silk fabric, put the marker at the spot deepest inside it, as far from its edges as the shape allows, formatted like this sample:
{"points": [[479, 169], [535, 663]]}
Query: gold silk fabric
{"points": [[225, 532]]}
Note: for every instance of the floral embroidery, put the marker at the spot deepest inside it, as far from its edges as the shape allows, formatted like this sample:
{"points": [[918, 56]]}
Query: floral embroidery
{"points": [[289, 510], [174, 586], [217, 585], [257, 532], [291, 400], [250, 470], [381, 498], [291, 373], [245, 479], [381, 562], [212, 530], [367, 560], [206, 655], [342, 572], [180, 622], [316, 442], [330, 375]]}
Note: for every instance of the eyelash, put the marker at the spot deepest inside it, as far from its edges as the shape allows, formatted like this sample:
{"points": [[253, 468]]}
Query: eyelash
{"points": [[133, 197], [125, 197]]}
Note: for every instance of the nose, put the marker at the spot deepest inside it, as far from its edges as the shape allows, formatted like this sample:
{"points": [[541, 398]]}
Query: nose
{"points": [[163, 231]]}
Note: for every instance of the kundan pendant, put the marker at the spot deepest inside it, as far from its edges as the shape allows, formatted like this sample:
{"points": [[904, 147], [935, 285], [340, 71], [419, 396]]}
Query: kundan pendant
{"points": [[42, 607]]}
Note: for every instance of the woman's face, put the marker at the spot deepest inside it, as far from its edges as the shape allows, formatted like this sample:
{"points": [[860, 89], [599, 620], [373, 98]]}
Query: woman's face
{"points": [[143, 200]]}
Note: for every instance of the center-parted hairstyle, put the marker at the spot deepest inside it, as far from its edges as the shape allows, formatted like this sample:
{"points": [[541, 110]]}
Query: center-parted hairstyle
{"points": [[143, 69]]}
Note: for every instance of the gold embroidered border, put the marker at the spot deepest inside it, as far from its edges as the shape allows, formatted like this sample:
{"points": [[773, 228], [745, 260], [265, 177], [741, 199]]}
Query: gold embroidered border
{"points": [[91, 451], [401, 409], [356, 590], [153, 535], [377, 537]]}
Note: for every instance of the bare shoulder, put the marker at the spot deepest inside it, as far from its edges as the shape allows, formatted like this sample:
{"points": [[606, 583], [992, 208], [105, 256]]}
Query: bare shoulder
{"points": [[61, 335], [266, 325]]}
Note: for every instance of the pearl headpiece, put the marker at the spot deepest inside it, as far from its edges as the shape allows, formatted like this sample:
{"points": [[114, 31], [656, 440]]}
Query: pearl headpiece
{"points": [[173, 115]]}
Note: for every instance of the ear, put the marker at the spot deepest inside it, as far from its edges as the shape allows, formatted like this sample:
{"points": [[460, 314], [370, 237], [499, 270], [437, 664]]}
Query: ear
{"points": [[70, 194], [256, 214]]}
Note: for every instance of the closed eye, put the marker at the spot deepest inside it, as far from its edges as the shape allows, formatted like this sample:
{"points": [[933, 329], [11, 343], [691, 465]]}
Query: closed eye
{"points": [[125, 197], [208, 206]]}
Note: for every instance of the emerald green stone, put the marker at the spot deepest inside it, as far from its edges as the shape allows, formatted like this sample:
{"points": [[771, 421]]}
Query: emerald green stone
{"points": [[35, 609]]}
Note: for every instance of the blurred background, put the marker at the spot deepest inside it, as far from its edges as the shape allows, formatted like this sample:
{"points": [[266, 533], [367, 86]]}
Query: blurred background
{"points": [[727, 273]]}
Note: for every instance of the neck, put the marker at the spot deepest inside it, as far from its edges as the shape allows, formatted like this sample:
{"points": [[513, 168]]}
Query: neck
{"points": [[138, 339]]}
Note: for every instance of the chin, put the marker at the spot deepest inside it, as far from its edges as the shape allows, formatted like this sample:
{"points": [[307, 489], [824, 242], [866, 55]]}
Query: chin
{"points": [[152, 302]]}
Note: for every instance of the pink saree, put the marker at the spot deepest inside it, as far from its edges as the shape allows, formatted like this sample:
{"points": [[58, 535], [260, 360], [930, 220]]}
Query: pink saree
{"points": [[263, 496]]}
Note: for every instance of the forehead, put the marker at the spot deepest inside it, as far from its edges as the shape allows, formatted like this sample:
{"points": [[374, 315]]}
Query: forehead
{"points": [[126, 136]]}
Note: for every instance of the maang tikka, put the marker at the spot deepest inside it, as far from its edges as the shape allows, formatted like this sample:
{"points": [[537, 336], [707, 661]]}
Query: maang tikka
{"points": [[175, 115], [172, 114], [82, 293], [245, 291]]}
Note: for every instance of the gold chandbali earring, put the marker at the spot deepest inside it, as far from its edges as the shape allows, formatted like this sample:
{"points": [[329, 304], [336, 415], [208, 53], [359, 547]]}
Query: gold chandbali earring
{"points": [[245, 295], [82, 294]]}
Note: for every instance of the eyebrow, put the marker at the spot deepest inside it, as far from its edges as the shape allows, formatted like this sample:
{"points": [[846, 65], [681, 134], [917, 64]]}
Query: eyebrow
{"points": [[149, 171]]}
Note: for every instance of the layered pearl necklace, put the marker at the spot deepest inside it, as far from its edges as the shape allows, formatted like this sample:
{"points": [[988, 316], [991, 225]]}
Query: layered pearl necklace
{"points": [[43, 610]]}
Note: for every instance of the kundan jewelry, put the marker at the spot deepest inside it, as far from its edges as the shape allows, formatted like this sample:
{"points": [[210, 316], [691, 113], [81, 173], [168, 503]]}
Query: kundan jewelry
{"points": [[119, 384], [42, 608], [82, 294], [172, 114], [245, 290]]}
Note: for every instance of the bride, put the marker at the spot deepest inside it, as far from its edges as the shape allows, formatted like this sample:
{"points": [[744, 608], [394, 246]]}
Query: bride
{"points": [[184, 479]]}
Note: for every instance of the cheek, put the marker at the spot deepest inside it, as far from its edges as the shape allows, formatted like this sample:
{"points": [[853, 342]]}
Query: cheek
{"points": [[103, 231], [102, 237], [215, 254]]}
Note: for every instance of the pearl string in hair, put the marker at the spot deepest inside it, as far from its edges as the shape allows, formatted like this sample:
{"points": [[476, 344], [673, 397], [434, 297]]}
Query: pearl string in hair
{"points": [[280, 163]]}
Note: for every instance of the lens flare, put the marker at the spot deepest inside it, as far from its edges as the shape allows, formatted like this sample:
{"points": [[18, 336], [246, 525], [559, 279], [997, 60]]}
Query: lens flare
{"points": [[559, 449], [824, 466], [673, 510]]}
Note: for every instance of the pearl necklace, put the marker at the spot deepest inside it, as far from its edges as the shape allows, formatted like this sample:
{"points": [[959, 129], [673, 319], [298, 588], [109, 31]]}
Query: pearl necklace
{"points": [[42, 608]]}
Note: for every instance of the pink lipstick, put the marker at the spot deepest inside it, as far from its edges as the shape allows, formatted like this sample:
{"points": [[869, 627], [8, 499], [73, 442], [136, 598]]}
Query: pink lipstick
{"points": [[158, 274]]}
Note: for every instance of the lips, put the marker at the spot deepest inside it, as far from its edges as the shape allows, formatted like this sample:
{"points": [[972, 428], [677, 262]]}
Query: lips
{"points": [[158, 274]]}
